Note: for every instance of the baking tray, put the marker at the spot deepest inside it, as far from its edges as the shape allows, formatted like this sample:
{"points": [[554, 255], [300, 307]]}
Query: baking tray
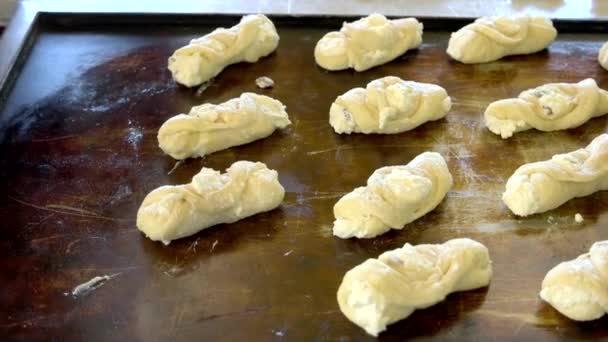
{"points": [[80, 109]]}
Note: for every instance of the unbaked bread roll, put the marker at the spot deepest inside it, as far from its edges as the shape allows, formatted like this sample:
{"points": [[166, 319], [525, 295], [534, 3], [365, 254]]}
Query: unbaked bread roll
{"points": [[382, 291], [491, 38], [367, 42], [579, 288], [602, 56], [545, 185], [209, 128], [173, 212], [394, 196], [388, 105], [204, 58], [551, 107]]}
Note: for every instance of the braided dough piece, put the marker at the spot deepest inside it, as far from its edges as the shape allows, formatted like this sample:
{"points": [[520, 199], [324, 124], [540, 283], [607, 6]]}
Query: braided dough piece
{"points": [[173, 212], [579, 288], [602, 57], [545, 185], [382, 291], [491, 38], [209, 128], [204, 58], [388, 105], [550, 107], [367, 42], [394, 196]]}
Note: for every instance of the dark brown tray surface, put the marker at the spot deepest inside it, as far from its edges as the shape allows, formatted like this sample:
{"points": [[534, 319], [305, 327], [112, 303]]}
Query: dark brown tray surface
{"points": [[79, 154]]}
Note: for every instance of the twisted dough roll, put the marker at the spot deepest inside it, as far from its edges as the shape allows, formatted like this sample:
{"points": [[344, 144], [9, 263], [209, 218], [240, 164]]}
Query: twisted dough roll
{"points": [[602, 56], [550, 107], [204, 58], [173, 212], [491, 38], [388, 105], [209, 128], [579, 288], [394, 196], [382, 291], [367, 42], [545, 185]]}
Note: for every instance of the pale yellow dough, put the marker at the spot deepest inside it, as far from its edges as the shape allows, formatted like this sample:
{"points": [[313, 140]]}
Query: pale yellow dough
{"points": [[382, 291], [394, 196], [209, 128], [388, 105], [551, 107], [204, 58], [602, 56], [367, 42], [545, 185], [579, 288], [491, 38], [172, 212]]}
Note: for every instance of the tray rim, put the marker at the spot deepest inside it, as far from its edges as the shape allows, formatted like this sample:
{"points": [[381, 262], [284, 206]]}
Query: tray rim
{"points": [[19, 36]]}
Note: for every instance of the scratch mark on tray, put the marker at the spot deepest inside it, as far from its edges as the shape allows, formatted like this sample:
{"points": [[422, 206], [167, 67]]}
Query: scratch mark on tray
{"points": [[175, 322], [107, 269], [344, 148], [177, 164], [193, 245], [173, 271], [66, 210], [524, 317], [68, 249], [46, 238], [236, 313], [310, 198], [44, 140]]}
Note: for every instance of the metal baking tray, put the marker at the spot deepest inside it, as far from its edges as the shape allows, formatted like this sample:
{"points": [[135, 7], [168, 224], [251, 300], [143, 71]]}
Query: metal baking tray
{"points": [[79, 111]]}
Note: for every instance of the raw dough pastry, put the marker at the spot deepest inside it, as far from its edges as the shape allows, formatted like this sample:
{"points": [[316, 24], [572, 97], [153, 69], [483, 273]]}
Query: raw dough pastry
{"points": [[394, 196], [388, 105], [172, 212], [550, 107], [209, 128], [603, 56], [382, 291], [367, 42], [545, 185], [491, 38], [579, 288], [205, 57]]}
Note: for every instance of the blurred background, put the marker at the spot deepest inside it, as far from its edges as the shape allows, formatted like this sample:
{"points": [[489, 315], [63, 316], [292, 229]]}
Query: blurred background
{"points": [[6, 10], [571, 9]]}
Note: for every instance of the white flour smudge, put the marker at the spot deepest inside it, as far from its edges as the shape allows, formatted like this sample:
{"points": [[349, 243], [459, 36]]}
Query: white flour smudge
{"points": [[91, 285]]}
